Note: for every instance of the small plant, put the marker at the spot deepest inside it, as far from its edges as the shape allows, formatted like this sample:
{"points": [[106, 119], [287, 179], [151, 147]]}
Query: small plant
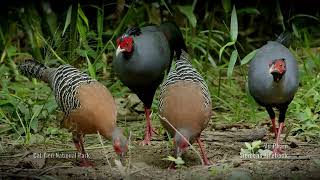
{"points": [[178, 161], [255, 148], [220, 169], [251, 148]]}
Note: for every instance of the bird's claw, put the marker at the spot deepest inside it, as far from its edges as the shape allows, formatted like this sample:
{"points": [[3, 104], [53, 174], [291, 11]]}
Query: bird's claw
{"points": [[147, 139], [277, 151], [145, 142], [172, 166], [206, 162]]}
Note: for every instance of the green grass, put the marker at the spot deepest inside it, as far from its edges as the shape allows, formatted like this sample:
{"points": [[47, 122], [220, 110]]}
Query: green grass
{"points": [[28, 109]]}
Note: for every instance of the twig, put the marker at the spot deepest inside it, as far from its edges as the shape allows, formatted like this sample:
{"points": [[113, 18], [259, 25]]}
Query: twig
{"points": [[129, 149], [66, 150], [130, 118], [184, 138], [17, 155], [52, 168], [2, 174], [12, 165], [133, 172], [104, 150]]}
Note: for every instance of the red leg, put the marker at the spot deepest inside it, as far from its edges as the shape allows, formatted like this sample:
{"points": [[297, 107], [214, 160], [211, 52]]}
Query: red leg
{"points": [[78, 142], [172, 166], [149, 129], [203, 153], [274, 127], [277, 149]]}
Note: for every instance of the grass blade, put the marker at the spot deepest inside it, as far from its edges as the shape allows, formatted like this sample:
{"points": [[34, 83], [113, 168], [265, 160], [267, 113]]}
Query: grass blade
{"points": [[222, 49], [232, 62], [252, 11], [68, 19], [91, 70], [234, 25], [188, 12], [83, 17], [166, 6], [226, 4], [248, 57]]}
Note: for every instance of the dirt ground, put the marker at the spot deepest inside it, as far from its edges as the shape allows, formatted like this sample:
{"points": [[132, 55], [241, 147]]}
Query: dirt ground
{"points": [[222, 142]]}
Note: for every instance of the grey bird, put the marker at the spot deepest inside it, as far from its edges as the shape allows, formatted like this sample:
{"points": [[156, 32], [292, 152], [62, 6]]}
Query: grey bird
{"points": [[273, 80], [142, 57]]}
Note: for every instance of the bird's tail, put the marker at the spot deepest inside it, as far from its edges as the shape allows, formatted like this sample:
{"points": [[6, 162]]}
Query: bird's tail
{"points": [[284, 38], [174, 37], [32, 68]]}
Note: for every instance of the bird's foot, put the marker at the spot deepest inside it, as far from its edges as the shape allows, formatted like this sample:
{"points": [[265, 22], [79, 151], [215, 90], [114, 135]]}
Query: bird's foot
{"points": [[149, 130], [147, 135], [277, 150], [147, 139], [145, 142], [206, 162], [172, 166], [86, 163]]}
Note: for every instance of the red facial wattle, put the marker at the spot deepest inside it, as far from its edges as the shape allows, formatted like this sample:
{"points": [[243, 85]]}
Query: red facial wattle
{"points": [[278, 66], [117, 147], [125, 43]]}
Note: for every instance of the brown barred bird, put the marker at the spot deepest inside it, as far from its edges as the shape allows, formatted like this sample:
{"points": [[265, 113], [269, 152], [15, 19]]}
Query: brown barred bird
{"points": [[186, 104], [88, 106]]}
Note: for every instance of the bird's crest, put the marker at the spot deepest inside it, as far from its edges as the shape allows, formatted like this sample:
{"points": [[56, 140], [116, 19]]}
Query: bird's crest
{"points": [[133, 31]]}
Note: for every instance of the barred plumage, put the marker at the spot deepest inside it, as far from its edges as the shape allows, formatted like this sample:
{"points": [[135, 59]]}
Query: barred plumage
{"points": [[63, 80], [32, 68], [185, 72]]}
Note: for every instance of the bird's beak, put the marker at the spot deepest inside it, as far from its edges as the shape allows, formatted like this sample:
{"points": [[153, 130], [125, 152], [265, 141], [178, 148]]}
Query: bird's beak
{"points": [[275, 74], [122, 157], [119, 50], [273, 70], [179, 152]]}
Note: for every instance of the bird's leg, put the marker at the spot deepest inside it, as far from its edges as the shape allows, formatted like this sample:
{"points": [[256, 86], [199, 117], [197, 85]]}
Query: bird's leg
{"points": [[275, 129], [277, 149], [272, 116], [148, 130], [172, 166], [203, 153], [78, 142]]}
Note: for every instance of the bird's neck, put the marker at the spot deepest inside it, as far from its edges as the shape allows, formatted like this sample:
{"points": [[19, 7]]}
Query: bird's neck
{"points": [[183, 133], [174, 36], [128, 55], [277, 77], [116, 133]]}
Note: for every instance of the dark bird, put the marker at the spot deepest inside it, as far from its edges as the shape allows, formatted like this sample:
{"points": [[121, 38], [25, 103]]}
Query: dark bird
{"points": [[88, 106], [273, 81], [142, 57], [185, 104]]}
